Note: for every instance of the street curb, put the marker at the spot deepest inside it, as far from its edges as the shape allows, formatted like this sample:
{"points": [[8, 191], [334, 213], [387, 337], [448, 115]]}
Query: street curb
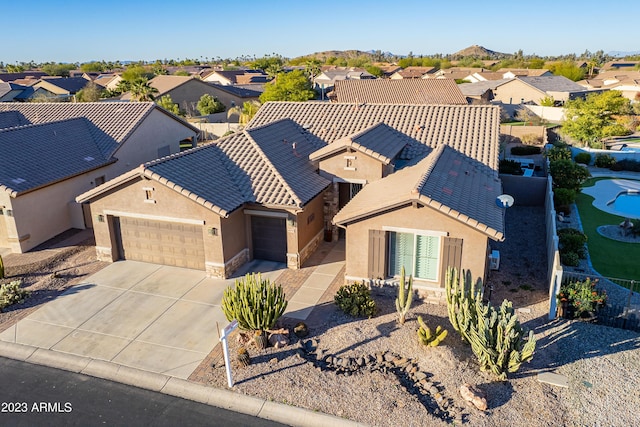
{"points": [[221, 398]]}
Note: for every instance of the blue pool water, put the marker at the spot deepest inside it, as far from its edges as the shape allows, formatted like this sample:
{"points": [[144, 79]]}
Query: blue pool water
{"points": [[628, 203]]}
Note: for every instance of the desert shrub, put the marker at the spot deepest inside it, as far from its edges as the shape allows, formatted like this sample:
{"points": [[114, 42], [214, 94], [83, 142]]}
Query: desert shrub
{"points": [[255, 303], [563, 197], [567, 174], [496, 337], [570, 259], [355, 300], [510, 167], [604, 161], [584, 158], [531, 139], [525, 150], [12, 293], [627, 165], [572, 240], [558, 153]]}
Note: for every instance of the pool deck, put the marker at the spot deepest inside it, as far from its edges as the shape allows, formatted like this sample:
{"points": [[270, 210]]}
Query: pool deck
{"points": [[605, 191]]}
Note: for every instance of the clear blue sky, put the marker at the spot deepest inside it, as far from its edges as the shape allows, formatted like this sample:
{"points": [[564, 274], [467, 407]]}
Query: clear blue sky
{"points": [[81, 31]]}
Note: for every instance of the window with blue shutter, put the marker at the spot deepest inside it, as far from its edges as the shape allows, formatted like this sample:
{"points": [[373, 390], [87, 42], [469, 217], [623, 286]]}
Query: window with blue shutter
{"points": [[419, 254]]}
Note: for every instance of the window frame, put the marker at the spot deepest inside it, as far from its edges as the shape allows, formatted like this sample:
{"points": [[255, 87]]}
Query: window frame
{"points": [[415, 232]]}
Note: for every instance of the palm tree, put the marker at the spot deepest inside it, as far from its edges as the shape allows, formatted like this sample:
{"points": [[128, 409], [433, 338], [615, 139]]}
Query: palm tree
{"points": [[141, 91], [246, 113]]}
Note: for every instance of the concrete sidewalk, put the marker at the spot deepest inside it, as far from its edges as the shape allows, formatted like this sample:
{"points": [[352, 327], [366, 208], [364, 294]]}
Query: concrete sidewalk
{"points": [[151, 326]]}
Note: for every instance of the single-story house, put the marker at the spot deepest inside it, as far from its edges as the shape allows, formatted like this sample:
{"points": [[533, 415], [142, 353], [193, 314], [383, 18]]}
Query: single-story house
{"points": [[251, 195], [52, 152], [59, 88], [412, 72], [233, 77], [481, 91], [327, 78], [12, 92], [294, 176], [25, 75], [510, 73], [403, 91], [522, 90]]}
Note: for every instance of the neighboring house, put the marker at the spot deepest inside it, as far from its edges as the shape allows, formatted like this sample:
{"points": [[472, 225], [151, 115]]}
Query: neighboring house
{"points": [[12, 77], [510, 73], [480, 92], [405, 91], [108, 81], [621, 64], [454, 73], [412, 73], [523, 90], [387, 69], [59, 88], [236, 95], [11, 92], [232, 77], [327, 78], [272, 191], [627, 82], [51, 152], [251, 195], [483, 77]]}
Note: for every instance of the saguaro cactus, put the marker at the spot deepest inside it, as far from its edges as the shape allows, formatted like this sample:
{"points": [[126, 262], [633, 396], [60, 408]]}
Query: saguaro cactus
{"points": [[461, 298], [405, 297]]}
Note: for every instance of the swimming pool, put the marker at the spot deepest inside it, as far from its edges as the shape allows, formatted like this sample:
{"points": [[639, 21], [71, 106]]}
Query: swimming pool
{"points": [[628, 202], [616, 196]]}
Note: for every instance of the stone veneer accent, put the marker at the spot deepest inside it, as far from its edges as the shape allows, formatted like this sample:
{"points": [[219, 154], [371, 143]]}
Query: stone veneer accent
{"points": [[293, 261], [311, 247], [219, 271], [104, 254], [331, 201]]}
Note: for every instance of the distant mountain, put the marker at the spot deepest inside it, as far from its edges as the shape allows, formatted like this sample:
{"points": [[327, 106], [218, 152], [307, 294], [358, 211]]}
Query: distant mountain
{"points": [[479, 52], [347, 54]]}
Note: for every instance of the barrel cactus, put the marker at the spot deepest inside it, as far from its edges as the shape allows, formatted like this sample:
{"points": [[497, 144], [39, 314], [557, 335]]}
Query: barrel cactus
{"points": [[255, 303], [243, 357]]}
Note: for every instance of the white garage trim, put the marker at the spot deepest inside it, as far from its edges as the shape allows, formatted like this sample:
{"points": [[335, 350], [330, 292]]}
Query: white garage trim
{"points": [[266, 213], [155, 217]]}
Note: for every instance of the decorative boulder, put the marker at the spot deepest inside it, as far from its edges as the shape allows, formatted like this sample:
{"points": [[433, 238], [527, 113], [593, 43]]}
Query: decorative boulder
{"points": [[301, 330], [474, 395]]}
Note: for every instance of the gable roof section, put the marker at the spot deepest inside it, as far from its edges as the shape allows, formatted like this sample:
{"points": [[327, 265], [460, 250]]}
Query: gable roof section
{"points": [[470, 129], [379, 141], [10, 77], [552, 84], [271, 164], [447, 181], [247, 91], [478, 88], [114, 121], [70, 85], [37, 155], [402, 91]]}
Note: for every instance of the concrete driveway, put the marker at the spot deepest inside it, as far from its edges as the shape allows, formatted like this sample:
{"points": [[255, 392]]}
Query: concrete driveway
{"points": [[150, 317]]}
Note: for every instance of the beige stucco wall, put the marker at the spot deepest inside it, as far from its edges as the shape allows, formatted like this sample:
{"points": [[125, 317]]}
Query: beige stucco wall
{"points": [[310, 221], [156, 131], [474, 246], [517, 92], [363, 167], [233, 234], [188, 94], [42, 214], [169, 206]]}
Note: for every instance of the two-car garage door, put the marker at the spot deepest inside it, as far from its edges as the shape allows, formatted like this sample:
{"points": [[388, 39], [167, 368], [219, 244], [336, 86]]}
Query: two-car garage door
{"points": [[160, 242]]}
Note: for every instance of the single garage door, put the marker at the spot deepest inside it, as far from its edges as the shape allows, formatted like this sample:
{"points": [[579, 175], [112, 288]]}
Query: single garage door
{"points": [[269, 236], [160, 242]]}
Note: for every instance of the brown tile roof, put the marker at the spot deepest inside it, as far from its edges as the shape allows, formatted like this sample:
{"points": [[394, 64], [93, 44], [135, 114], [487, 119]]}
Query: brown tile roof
{"points": [[403, 91], [271, 163], [378, 141], [33, 156], [447, 181], [530, 72], [114, 121], [470, 129], [414, 72]]}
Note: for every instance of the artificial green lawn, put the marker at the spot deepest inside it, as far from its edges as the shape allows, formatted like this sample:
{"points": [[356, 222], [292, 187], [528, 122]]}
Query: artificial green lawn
{"points": [[610, 258]]}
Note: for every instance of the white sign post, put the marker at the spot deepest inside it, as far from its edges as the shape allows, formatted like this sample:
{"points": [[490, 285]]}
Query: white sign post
{"points": [[225, 349]]}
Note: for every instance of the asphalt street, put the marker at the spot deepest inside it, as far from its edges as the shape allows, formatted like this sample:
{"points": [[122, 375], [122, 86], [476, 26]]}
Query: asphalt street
{"points": [[35, 395]]}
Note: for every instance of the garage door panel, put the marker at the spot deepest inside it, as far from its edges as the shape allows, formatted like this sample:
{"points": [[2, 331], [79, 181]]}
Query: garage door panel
{"points": [[269, 237], [162, 242]]}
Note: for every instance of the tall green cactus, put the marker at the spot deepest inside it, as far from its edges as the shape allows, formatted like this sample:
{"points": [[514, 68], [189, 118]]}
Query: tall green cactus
{"points": [[496, 337], [405, 297], [1, 268], [255, 303]]}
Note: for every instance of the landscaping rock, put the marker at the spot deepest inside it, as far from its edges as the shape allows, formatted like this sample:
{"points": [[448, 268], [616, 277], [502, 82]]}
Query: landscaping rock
{"points": [[474, 395]]}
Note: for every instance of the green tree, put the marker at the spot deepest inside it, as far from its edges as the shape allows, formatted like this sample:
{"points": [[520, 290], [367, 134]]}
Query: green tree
{"points": [[312, 68], [208, 104], [597, 116], [246, 113], [167, 103], [140, 89], [293, 86], [568, 69], [55, 69], [372, 69], [567, 174], [92, 67], [90, 93], [135, 72]]}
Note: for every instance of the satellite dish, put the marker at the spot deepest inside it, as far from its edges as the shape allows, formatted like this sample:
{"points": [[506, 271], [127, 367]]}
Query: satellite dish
{"points": [[504, 201]]}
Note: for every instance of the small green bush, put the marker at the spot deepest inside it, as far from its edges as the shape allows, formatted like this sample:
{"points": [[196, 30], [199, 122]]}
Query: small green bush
{"points": [[570, 259], [604, 161], [12, 293], [558, 153], [572, 241], [531, 139], [355, 300], [563, 197], [525, 150], [584, 158], [628, 165]]}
